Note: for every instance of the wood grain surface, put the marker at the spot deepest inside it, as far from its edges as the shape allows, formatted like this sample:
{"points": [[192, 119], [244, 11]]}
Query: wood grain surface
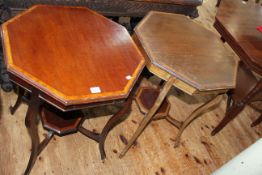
{"points": [[66, 51], [198, 154], [187, 51], [237, 22]]}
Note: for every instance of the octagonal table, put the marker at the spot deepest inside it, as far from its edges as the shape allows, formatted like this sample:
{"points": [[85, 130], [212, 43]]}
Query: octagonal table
{"points": [[186, 55], [71, 58]]}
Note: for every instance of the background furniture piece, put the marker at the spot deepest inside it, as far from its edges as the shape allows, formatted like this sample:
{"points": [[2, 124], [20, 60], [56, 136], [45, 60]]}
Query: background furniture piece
{"points": [[182, 63], [248, 89], [129, 8], [6, 85], [71, 58], [237, 22]]}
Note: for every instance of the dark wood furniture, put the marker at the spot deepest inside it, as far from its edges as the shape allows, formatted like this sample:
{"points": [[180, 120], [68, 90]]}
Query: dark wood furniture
{"points": [[59, 122], [183, 63], [71, 58], [237, 22], [131, 8], [6, 85]]}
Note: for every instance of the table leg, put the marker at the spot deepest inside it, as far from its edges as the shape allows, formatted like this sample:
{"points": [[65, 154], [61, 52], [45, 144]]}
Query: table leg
{"points": [[148, 117], [196, 113], [117, 118], [31, 124], [20, 94]]}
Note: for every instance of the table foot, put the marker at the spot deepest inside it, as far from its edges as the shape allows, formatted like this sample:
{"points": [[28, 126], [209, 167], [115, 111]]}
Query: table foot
{"points": [[149, 116], [18, 102], [196, 113], [116, 119]]}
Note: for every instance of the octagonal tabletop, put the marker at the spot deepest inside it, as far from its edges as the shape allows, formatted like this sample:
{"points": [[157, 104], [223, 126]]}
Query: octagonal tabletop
{"points": [[187, 51], [72, 54]]}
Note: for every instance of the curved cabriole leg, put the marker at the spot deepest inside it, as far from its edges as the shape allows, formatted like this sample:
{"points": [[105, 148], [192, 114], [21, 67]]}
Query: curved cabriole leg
{"points": [[116, 119], [31, 124], [196, 113], [18, 102], [149, 116]]}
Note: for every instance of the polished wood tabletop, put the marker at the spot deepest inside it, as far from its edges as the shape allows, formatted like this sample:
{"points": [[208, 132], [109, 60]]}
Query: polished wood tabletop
{"points": [[187, 51], [237, 22], [71, 58], [72, 54]]}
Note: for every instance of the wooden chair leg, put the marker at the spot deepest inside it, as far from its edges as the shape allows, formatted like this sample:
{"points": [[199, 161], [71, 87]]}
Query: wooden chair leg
{"points": [[31, 124], [230, 115], [196, 113], [18, 102], [148, 117], [257, 121], [237, 107]]}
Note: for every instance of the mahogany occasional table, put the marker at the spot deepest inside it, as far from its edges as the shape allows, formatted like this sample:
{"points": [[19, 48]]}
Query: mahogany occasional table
{"points": [[186, 56], [71, 58], [237, 23]]}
